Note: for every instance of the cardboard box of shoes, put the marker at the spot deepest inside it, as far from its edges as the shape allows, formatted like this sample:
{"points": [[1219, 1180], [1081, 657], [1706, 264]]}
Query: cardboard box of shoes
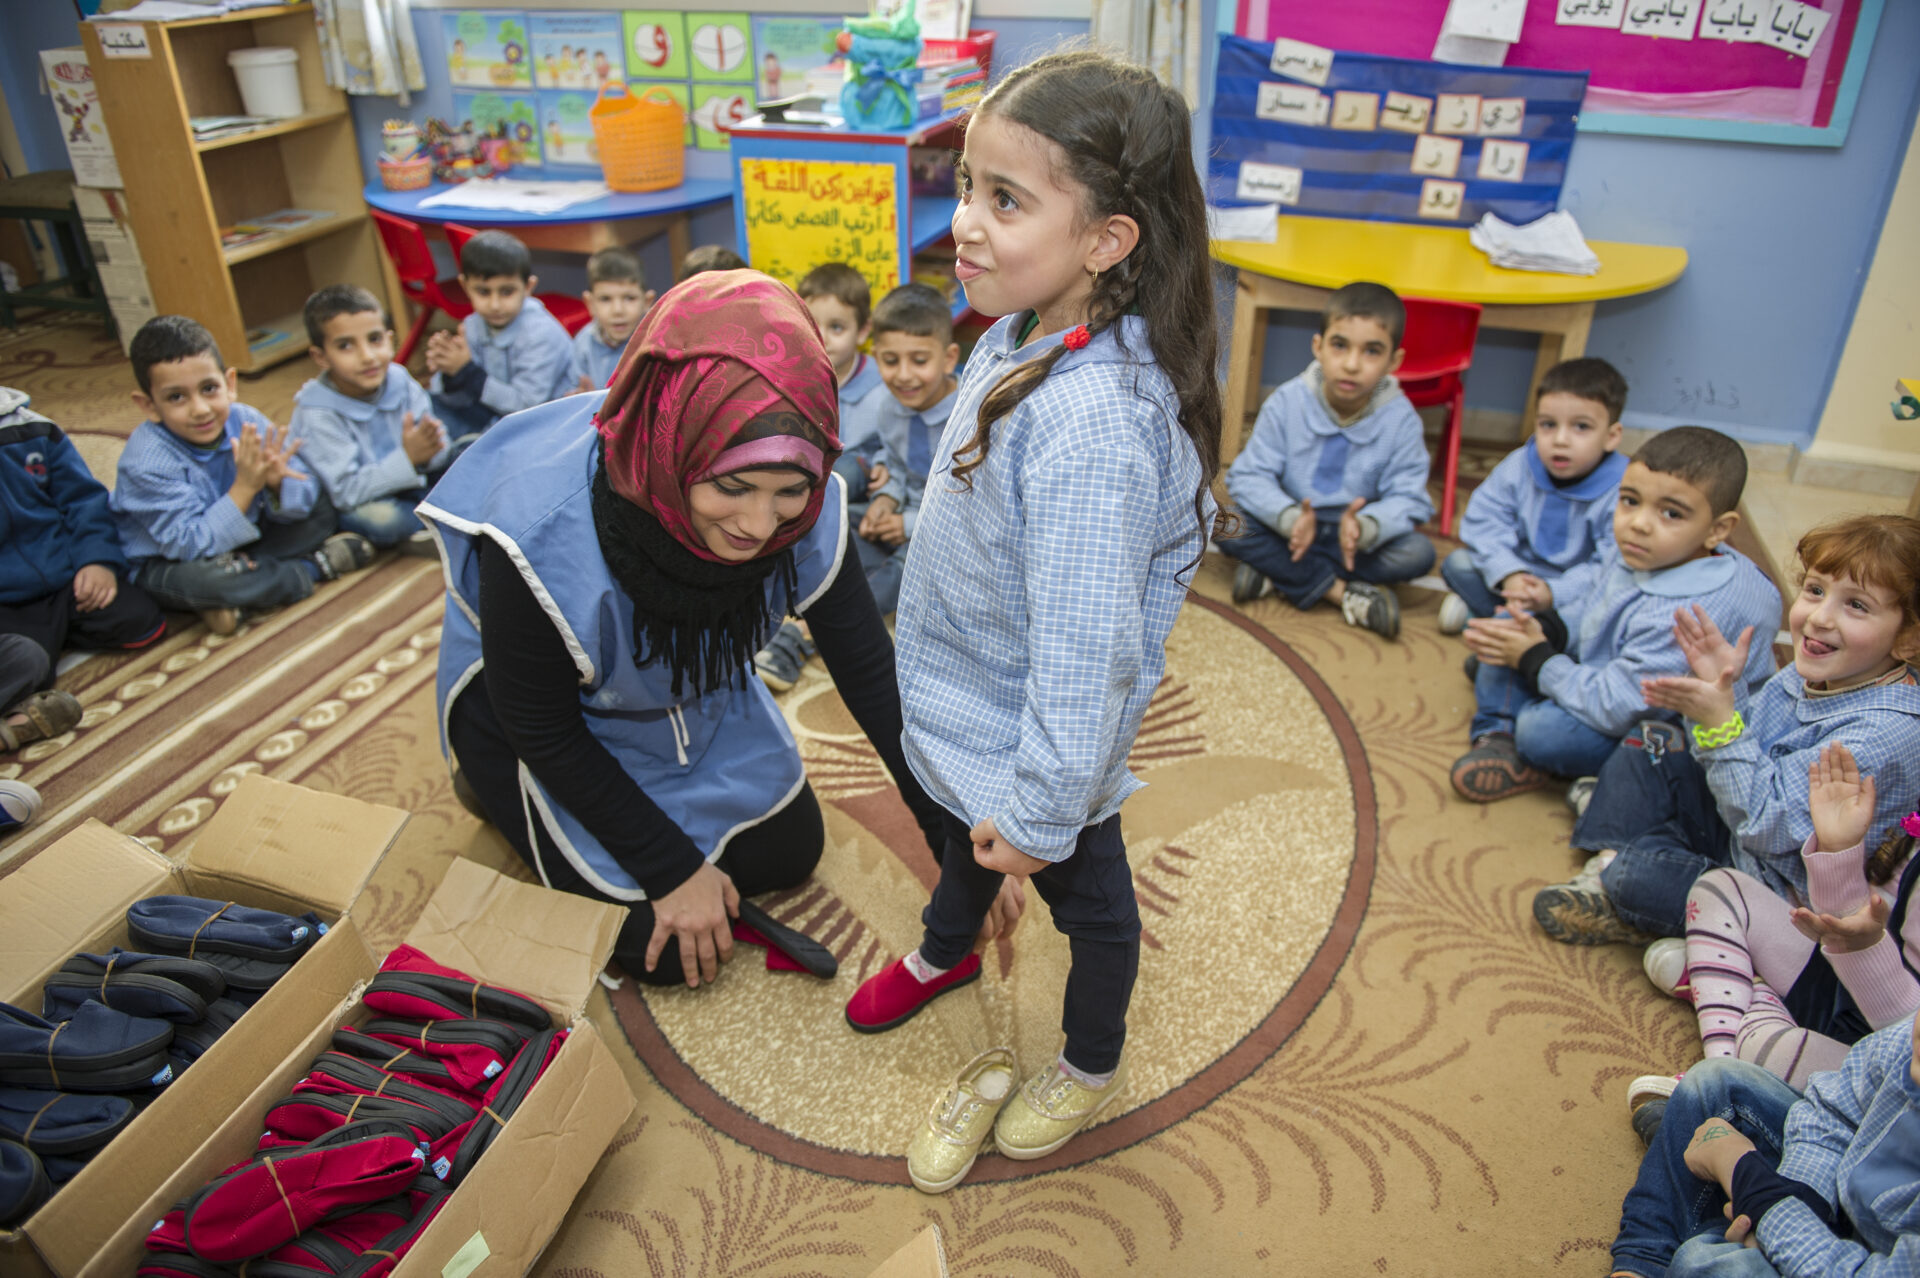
{"points": [[271, 846], [519, 945]]}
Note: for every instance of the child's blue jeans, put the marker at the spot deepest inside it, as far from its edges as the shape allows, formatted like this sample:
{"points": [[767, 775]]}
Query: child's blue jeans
{"points": [[1545, 735], [266, 573], [1399, 558], [1672, 1222], [1463, 578], [884, 565], [388, 521], [1653, 808]]}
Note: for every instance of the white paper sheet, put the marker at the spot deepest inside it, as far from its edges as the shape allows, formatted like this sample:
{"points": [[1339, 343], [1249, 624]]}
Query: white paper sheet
{"points": [[1673, 19], [1735, 21], [1485, 19], [1298, 60], [1590, 13], [1795, 27], [506, 195], [1254, 224]]}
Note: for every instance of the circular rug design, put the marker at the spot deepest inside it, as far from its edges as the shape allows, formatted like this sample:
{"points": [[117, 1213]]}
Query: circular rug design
{"points": [[1253, 853]]}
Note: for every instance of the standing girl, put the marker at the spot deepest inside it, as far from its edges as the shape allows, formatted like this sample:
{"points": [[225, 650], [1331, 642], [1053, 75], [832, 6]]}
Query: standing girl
{"points": [[1067, 510]]}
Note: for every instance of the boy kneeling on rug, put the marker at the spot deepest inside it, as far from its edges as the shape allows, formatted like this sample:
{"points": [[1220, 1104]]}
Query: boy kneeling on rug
{"points": [[63, 575]]}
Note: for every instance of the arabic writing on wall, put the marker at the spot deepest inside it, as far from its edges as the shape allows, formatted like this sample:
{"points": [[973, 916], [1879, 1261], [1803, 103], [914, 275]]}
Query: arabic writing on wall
{"points": [[801, 213]]}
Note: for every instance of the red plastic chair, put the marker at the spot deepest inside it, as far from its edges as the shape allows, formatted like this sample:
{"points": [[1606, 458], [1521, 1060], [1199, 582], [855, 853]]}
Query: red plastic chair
{"points": [[570, 311], [420, 279], [1439, 344]]}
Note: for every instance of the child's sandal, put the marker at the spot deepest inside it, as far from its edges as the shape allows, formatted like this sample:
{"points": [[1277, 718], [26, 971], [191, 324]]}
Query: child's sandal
{"points": [[49, 714]]}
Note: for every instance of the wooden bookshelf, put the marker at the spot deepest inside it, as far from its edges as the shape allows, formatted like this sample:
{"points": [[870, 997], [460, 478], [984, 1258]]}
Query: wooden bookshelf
{"points": [[181, 192]]}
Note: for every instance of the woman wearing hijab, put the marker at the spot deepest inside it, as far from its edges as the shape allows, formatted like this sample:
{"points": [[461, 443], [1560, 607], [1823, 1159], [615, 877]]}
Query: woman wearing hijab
{"points": [[611, 574]]}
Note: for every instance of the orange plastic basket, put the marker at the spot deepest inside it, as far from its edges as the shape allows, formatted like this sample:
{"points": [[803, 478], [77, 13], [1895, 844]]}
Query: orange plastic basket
{"points": [[642, 140]]}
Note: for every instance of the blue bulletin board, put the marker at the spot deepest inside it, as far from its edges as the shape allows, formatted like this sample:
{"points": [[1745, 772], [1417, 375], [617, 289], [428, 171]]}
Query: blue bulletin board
{"points": [[1388, 139]]}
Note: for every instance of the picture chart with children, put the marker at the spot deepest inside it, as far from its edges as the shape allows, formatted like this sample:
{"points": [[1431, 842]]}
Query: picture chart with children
{"points": [[1279, 643]]}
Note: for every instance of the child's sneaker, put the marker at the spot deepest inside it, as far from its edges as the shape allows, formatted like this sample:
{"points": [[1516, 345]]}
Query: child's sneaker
{"points": [[19, 805], [48, 714], [341, 554], [1647, 1120], [419, 545], [894, 995], [1650, 1087], [1051, 1109], [1493, 770], [1371, 608], [946, 1145], [1250, 583], [221, 621], [1580, 794], [1578, 912], [779, 663], [1665, 964], [1454, 614]]}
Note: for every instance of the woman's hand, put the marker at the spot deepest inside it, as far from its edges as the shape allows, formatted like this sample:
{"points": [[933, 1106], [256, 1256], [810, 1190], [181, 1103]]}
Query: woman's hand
{"points": [[699, 914]]}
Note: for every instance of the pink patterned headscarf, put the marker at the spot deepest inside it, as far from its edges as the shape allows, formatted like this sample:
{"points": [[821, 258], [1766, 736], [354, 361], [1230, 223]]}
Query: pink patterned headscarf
{"points": [[725, 373]]}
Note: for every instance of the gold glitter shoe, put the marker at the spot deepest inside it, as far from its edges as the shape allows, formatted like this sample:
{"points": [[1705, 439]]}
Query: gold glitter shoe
{"points": [[1050, 1109], [947, 1143]]}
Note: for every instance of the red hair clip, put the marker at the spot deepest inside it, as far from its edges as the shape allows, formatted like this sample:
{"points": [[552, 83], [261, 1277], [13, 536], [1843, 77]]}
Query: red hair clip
{"points": [[1077, 338], [1911, 824]]}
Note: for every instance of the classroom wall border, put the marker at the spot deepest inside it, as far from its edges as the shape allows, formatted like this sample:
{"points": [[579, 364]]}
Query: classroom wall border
{"points": [[984, 11]]}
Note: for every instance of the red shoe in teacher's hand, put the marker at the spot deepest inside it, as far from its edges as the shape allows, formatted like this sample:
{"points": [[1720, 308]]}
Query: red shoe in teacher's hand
{"points": [[893, 995]]}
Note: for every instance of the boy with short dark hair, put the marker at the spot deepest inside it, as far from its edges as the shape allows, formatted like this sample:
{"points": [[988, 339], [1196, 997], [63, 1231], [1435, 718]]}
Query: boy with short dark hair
{"points": [[368, 428], [616, 297], [63, 575], [1557, 690], [511, 353], [710, 257], [216, 516], [1548, 506], [841, 302], [1333, 481]]}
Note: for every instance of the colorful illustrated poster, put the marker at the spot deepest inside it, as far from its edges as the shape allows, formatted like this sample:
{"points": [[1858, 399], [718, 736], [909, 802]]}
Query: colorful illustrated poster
{"points": [[800, 213], [575, 50], [656, 45], [721, 46], [566, 131], [513, 115], [487, 51], [714, 106], [678, 92], [785, 49]]}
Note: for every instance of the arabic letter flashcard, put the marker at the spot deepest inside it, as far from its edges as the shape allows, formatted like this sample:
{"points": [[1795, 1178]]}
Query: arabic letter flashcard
{"points": [[1406, 113], [1359, 112], [1456, 113], [1298, 60], [1589, 13], [1485, 19], [1268, 183], [1794, 27], [1673, 19], [1291, 103], [1502, 161], [1442, 199], [1502, 117], [1435, 156], [1735, 21]]}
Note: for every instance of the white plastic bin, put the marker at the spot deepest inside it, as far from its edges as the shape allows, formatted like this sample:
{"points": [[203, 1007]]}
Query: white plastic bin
{"points": [[269, 81]]}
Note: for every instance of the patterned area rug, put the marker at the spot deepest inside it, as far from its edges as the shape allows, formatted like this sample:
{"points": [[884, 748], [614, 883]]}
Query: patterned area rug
{"points": [[1353, 1052]]}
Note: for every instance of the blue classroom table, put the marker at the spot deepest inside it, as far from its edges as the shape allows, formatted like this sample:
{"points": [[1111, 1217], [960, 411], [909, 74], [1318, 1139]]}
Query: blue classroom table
{"points": [[617, 219]]}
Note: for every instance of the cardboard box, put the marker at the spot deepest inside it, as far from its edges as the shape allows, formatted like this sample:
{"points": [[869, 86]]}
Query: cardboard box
{"points": [[271, 845], [923, 1257], [77, 102], [550, 946]]}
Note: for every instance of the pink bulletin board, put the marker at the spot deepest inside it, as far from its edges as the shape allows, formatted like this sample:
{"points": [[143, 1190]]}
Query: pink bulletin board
{"points": [[1637, 84]]}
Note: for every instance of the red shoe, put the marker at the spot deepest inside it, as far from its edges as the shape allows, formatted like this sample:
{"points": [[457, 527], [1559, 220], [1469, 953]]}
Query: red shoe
{"points": [[893, 995]]}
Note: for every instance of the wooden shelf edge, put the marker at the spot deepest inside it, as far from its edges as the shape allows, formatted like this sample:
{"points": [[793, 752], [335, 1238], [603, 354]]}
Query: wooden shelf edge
{"points": [[241, 15], [292, 124], [273, 244]]}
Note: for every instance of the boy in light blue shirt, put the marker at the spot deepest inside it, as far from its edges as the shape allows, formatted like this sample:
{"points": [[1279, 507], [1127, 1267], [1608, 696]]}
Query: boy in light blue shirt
{"points": [[1333, 481], [368, 428], [841, 303], [616, 298], [1548, 506], [510, 354], [216, 514]]}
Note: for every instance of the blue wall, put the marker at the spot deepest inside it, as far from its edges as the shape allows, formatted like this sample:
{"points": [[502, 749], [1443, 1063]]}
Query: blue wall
{"points": [[30, 26], [1779, 239]]}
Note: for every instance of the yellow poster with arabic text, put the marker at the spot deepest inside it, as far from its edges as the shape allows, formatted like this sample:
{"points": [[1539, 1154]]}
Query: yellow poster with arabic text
{"points": [[803, 213]]}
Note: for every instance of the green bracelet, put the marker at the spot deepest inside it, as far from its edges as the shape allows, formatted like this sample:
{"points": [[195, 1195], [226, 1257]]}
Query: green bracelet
{"points": [[1726, 734]]}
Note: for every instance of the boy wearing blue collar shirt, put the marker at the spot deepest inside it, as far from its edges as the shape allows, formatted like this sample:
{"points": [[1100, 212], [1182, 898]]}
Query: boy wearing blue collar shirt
{"points": [[616, 297], [1558, 689], [1548, 506], [510, 353], [368, 429], [216, 514]]}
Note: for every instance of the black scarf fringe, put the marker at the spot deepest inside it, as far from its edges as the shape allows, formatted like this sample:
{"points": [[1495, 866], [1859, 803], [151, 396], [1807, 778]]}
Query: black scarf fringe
{"points": [[704, 619]]}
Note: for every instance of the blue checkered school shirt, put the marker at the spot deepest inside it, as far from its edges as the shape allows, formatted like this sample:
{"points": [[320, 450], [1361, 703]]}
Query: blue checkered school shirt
{"points": [[1855, 1140], [1034, 614]]}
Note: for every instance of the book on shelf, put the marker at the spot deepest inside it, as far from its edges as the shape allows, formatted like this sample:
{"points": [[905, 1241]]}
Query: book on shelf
{"points": [[263, 339], [269, 225], [208, 127]]}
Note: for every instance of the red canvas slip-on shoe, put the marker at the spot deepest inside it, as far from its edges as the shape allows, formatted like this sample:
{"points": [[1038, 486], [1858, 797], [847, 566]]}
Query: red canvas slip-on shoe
{"points": [[893, 995]]}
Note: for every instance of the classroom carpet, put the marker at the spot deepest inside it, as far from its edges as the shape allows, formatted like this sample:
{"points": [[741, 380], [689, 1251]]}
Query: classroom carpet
{"points": [[1352, 1051]]}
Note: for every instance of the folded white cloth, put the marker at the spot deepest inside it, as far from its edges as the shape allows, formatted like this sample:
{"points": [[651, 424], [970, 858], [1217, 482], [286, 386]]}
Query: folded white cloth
{"points": [[1553, 243]]}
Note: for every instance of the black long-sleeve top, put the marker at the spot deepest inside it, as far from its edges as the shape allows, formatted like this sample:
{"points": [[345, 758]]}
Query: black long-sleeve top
{"points": [[534, 688]]}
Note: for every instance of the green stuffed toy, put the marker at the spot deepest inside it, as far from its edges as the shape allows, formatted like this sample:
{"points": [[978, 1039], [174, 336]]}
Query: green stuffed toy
{"points": [[883, 72]]}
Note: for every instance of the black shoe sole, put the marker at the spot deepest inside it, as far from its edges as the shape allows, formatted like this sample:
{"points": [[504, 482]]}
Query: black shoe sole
{"points": [[898, 1021], [798, 946]]}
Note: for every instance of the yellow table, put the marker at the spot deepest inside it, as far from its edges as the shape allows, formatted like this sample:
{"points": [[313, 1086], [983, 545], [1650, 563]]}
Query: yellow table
{"points": [[1315, 255]]}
